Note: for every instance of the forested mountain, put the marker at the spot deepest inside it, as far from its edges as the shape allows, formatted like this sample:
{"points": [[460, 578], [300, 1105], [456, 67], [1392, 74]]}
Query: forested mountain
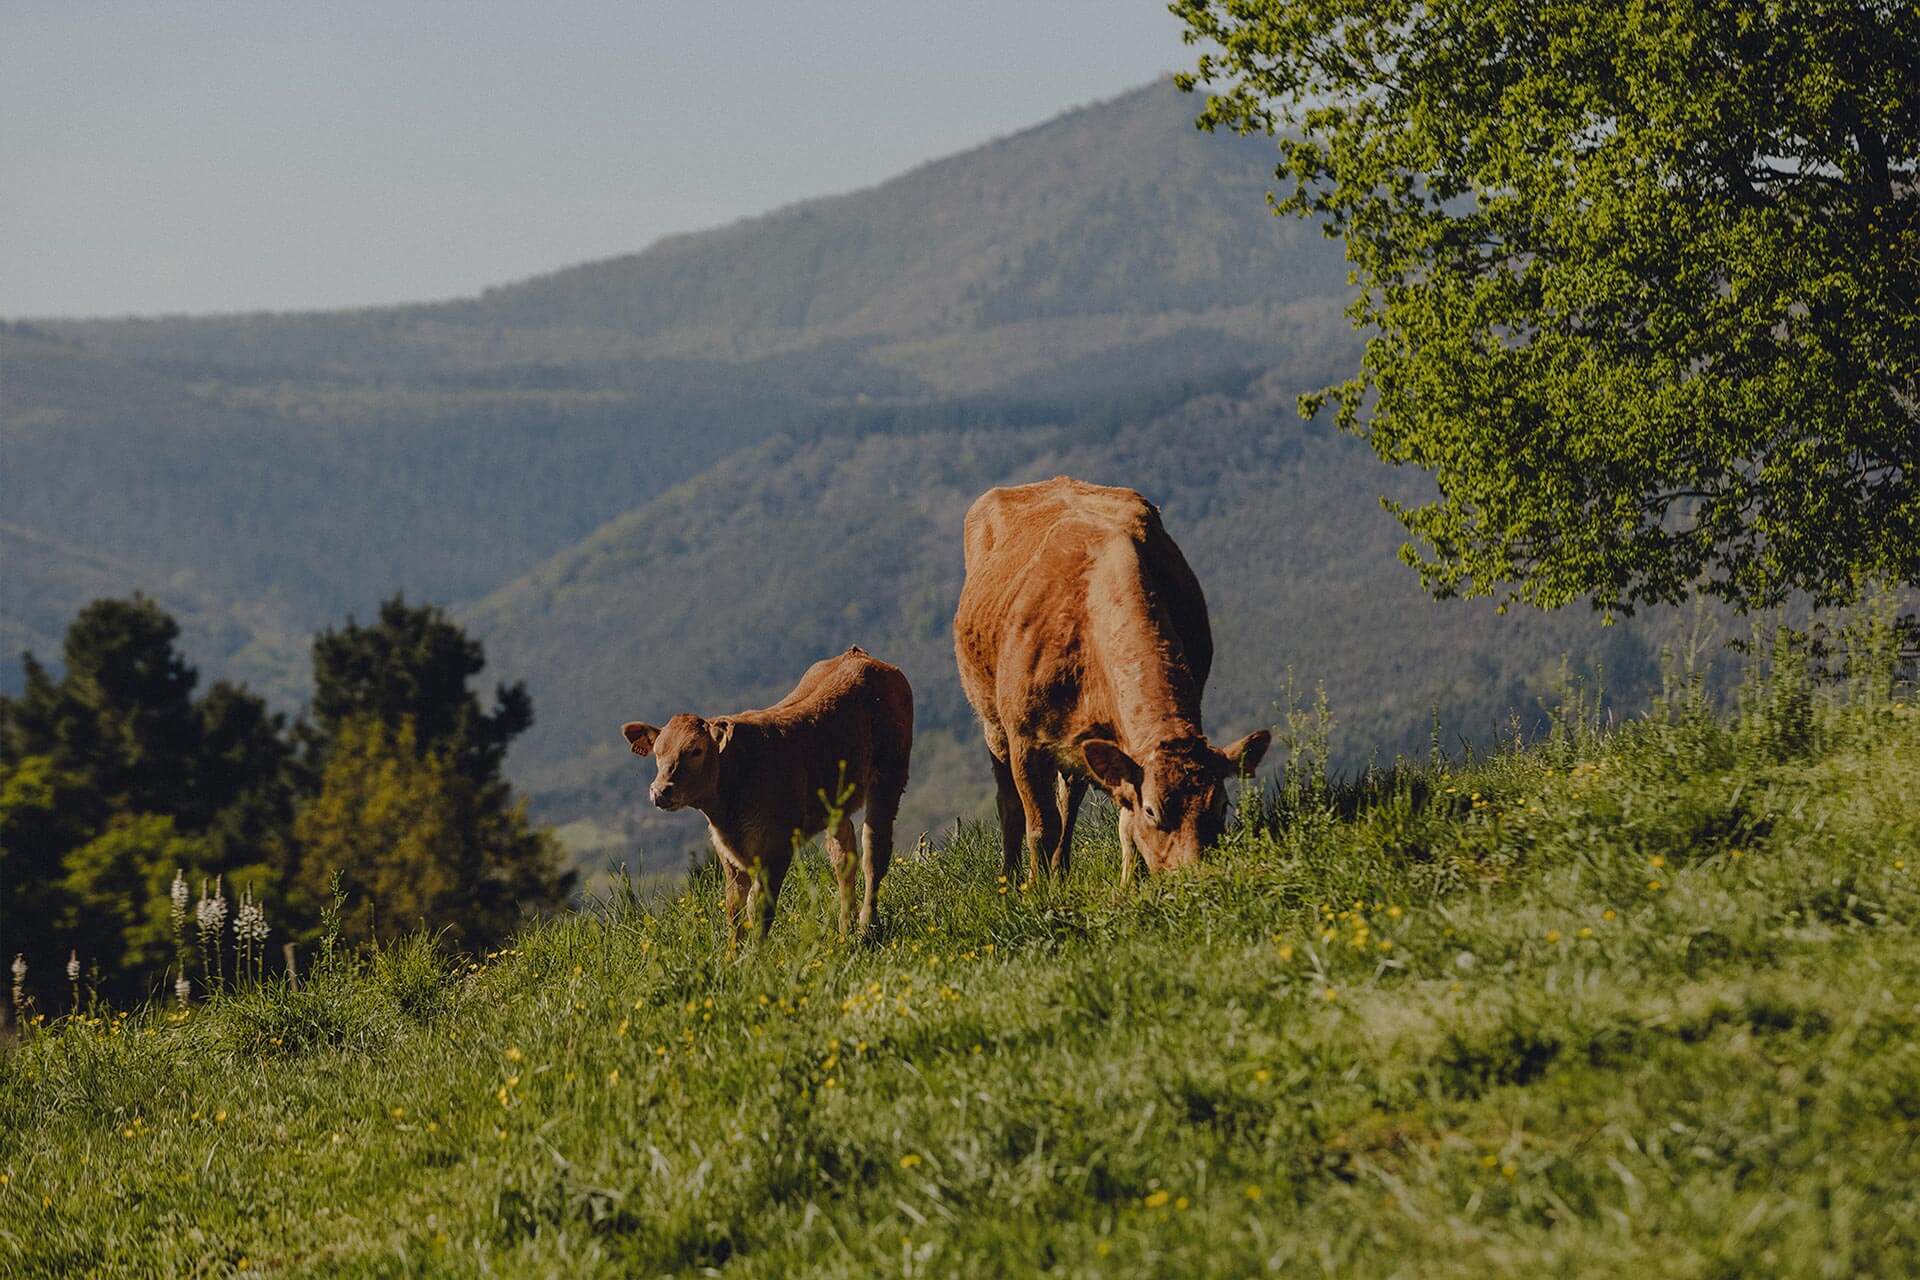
{"points": [[670, 480], [713, 597]]}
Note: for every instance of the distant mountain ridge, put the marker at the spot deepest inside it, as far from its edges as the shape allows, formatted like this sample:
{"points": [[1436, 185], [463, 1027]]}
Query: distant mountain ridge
{"points": [[1118, 209]]}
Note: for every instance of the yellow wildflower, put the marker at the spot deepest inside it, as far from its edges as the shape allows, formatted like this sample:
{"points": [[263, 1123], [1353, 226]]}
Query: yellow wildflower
{"points": [[909, 1160], [1154, 1199]]}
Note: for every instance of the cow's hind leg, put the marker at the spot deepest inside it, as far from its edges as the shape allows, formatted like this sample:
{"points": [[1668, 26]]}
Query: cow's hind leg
{"points": [[1013, 818], [1035, 777], [1070, 792], [876, 837], [840, 853]]}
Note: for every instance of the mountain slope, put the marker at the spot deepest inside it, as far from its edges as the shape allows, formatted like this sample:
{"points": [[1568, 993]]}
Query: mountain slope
{"points": [[714, 596], [1106, 265]]}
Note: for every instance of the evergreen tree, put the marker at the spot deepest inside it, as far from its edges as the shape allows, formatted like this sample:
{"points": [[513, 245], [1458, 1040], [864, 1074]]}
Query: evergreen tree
{"points": [[410, 805], [417, 844], [413, 666], [112, 777]]}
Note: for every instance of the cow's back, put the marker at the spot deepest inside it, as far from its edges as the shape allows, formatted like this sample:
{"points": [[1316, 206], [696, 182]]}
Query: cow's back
{"points": [[1028, 552], [851, 703]]}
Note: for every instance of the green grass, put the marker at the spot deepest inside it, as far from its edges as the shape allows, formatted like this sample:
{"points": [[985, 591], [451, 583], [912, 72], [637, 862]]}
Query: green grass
{"points": [[1648, 1005]]}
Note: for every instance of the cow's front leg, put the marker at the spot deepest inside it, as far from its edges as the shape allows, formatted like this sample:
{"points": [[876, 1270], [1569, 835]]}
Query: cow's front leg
{"points": [[1128, 854], [1034, 776], [1013, 818], [1072, 791]]}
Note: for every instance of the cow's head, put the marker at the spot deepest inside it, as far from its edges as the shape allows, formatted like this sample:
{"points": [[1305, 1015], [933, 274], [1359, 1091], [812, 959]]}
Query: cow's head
{"points": [[1173, 801], [687, 751]]}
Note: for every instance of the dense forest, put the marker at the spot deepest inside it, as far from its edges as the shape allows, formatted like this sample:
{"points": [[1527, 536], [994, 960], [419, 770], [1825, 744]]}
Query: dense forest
{"points": [[125, 792]]}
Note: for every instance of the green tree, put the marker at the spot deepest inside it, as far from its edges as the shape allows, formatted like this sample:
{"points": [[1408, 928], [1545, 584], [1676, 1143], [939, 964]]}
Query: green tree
{"points": [[416, 843], [45, 811], [1641, 279], [413, 666], [410, 804], [121, 715], [112, 776], [115, 897]]}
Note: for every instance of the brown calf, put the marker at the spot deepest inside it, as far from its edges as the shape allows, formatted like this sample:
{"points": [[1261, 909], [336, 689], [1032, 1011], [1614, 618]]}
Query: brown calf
{"points": [[1083, 645], [768, 780]]}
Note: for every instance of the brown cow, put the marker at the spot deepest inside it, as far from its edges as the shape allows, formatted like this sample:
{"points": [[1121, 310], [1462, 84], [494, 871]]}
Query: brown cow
{"points": [[766, 780], [1083, 644]]}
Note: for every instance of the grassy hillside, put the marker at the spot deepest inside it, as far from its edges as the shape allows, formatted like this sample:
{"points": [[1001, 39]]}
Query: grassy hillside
{"points": [[1634, 1004], [715, 595]]}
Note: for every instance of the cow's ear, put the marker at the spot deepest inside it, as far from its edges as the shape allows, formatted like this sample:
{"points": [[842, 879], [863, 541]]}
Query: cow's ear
{"points": [[640, 736], [1244, 756], [1112, 766], [722, 731]]}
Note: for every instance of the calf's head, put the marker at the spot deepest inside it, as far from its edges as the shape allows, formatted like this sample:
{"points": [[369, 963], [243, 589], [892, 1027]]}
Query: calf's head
{"points": [[686, 751], [1174, 799]]}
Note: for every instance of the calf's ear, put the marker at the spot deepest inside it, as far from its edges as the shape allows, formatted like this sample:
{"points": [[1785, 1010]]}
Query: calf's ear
{"points": [[1244, 755], [722, 730], [640, 736], [1112, 766]]}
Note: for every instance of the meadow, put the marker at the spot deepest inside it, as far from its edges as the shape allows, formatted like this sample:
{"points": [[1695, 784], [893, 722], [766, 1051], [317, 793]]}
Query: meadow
{"points": [[1636, 999]]}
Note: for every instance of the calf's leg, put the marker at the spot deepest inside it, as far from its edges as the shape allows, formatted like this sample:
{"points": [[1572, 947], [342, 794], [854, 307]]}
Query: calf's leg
{"points": [[876, 837], [738, 884], [770, 874], [840, 854]]}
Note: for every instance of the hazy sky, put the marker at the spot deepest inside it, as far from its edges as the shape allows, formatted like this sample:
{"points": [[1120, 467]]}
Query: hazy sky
{"points": [[177, 156]]}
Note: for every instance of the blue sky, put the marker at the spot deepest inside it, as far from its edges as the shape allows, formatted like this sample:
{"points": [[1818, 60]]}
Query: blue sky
{"points": [[187, 157]]}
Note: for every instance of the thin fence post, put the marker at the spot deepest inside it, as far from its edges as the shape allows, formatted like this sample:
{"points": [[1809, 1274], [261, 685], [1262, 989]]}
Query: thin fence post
{"points": [[293, 975]]}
